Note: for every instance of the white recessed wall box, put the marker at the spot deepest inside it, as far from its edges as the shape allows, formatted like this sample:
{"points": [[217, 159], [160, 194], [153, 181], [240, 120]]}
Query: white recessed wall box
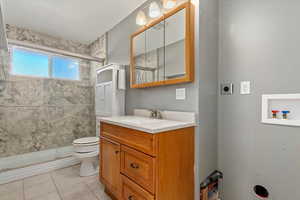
{"points": [[275, 105]]}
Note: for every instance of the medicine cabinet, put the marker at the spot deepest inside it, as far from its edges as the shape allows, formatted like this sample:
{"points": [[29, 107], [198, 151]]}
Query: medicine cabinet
{"points": [[162, 52]]}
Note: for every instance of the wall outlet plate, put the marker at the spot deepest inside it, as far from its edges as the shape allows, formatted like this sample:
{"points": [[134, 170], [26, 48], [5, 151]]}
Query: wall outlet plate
{"points": [[226, 89], [180, 94], [245, 87]]}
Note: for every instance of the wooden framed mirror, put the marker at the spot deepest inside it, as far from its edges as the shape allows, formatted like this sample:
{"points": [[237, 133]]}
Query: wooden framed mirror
{"points": [[162, 52]]}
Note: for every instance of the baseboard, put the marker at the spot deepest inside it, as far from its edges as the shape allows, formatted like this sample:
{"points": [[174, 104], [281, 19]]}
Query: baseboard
{"points": [[21, 173]]}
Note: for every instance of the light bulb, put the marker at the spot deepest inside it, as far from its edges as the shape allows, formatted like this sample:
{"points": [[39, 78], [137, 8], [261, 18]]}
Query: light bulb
{"points": [[154, 10], [141, 19], [168, 4]]}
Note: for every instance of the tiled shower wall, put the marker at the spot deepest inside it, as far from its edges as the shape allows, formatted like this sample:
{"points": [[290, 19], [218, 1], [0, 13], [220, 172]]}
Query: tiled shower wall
{"points": [[38, 114], [98, 49]]}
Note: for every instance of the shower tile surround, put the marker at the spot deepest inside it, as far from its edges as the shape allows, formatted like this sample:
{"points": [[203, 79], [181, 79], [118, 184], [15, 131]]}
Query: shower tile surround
{"points": [[26, 35], [38, 114]]}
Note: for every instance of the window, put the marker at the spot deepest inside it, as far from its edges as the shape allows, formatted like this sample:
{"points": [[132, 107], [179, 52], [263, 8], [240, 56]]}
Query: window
{"points": [[65, 68], [34, 63], [30, 63]]}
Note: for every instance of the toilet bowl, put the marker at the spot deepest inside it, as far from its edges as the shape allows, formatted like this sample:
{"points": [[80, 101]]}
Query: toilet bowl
{"points": [[87, 151]]}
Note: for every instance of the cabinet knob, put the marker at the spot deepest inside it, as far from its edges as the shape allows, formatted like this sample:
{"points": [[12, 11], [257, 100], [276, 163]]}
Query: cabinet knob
{"points": [[131, 197], [134, 165], [117, 152]]}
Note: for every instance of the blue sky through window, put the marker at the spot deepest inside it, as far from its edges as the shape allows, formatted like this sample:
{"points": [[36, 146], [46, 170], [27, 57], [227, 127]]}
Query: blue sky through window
{"points": [[65, 68], [30, 63], [33, 63]]}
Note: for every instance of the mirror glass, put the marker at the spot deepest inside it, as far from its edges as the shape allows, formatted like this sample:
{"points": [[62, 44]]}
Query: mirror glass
{"points": [[139, 57], [155, 53], [149, 55], [175, 45]]}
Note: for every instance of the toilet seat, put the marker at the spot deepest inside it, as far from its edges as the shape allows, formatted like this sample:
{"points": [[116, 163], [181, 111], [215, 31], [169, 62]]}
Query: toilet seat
{"points": [[86, 149], [85, 145], [91, 144], [86, 155], [86, 141]]}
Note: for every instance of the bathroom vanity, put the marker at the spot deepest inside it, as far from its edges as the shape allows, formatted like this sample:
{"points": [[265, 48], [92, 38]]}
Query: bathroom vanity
{"points": [[146, 159]]}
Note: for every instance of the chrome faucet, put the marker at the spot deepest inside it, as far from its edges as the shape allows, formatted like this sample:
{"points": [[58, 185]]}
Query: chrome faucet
{"points": [[156, 114]]}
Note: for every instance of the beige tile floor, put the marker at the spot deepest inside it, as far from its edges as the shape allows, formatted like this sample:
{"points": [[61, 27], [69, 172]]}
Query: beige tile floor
{"points": [[63, 184]]}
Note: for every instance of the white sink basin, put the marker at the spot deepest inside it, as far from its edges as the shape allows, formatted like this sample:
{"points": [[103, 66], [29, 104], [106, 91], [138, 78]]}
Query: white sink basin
{"points": [[140, 120]]}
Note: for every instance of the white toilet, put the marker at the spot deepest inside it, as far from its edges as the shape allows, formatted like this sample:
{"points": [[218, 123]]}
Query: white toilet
{"points": [[87, 151]]}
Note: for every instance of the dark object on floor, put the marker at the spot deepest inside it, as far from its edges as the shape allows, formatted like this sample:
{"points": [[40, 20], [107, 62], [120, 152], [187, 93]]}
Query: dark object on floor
{"points": [[210, 187], [261, 191]]}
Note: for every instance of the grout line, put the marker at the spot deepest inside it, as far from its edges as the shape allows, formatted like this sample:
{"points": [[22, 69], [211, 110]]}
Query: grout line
{"points": [[23, 186], [56, 187], [90, 190]]}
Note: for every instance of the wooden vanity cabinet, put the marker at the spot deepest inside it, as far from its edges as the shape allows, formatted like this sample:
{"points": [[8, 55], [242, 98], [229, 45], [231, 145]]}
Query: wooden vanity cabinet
{"points": [[110, 165], [135, 165]]}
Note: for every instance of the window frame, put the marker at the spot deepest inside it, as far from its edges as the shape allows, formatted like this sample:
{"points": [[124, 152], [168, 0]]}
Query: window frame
{"points": [[50, 63]]}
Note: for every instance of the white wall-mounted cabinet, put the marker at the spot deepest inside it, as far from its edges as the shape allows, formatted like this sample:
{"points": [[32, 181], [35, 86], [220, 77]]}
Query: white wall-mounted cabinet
{"points": [[110, 90], [281, 102]]}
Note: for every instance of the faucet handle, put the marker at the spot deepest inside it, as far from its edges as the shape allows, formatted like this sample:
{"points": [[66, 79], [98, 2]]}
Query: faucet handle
{"points": [[153, 113], [159, 114]]}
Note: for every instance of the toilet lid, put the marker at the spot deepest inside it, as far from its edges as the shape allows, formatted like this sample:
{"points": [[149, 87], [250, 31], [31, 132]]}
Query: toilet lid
{"points": [[86, 140]]}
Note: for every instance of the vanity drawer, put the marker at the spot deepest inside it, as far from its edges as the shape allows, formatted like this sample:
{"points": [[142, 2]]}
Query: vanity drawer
{"points": [[138, 167], [139, 140], [131, 191]]}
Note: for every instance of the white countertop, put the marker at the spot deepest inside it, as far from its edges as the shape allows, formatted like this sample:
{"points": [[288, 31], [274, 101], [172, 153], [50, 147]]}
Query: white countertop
{"points": [[147, 124]]}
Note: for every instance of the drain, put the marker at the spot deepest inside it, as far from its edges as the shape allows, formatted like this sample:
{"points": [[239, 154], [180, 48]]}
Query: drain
{"points": [[261, 191]]}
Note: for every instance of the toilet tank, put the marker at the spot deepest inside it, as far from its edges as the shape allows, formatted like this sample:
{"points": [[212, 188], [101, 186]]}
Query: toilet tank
{"points": [[110, 90]]}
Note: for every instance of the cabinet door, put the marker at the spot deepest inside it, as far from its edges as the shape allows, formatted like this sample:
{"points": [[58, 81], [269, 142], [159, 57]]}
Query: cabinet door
{"points": [[110, 166], [99, 100], [108, 98]]}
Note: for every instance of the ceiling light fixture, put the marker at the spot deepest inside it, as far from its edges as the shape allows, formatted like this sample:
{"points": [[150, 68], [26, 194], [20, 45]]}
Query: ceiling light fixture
{"points": [[154, 10], [141, 18], [168, 4]]}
